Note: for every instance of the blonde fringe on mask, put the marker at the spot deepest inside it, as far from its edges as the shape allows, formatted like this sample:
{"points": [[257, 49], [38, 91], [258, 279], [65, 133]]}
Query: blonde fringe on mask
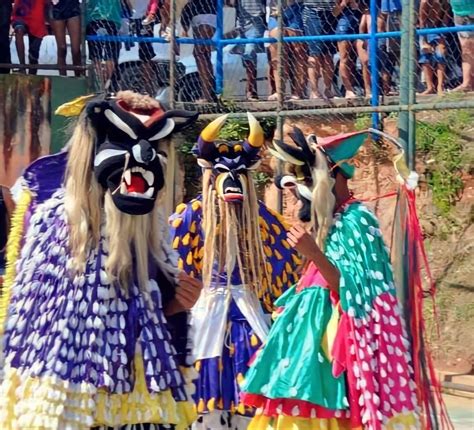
{"points": [[323, 201], [129, 236], [232, 236]]}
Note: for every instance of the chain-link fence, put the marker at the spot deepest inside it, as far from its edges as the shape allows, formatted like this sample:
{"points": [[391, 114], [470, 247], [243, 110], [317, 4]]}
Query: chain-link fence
{"points": [[280, 56]]}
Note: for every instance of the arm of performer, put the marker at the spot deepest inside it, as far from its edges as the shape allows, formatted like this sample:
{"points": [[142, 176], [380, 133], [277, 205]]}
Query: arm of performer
{"points": [[186, 295], [299, 239]]}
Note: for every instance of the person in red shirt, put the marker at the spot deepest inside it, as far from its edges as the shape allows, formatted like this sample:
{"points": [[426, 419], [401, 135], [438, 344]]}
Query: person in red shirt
{"points": [[28, 18]]}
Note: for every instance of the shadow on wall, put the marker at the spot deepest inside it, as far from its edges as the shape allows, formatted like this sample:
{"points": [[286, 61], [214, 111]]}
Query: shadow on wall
{"points": [[25, 123]]}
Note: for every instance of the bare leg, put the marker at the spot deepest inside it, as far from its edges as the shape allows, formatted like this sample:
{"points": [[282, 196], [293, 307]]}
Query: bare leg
{"points": [[298, 58], [345, 66], [251, 72], [59, 30], [429, 76], [20, 46], [327, 69], [364, 60], [271, 75], [108, 70], [441, 68], [273, 51], [202, 54], [467, 51], [314, 66], [441, 75], [74, 30], [33, 52]]}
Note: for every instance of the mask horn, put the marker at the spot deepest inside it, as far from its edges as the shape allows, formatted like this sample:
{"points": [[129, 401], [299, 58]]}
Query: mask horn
{"points": [[211, 132], [299, 138], [205, 146], [256, 136]]}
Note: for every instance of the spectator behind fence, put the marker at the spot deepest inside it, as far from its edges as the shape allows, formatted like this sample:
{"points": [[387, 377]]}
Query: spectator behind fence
{"points": [[362, 46], [388, 52], [200, 15], [464, 15], [433, 14], [5, 16], [142, 23], [28, 18], [349, 17], [389, 49], [319, 20], [66, 15], [252, 25], [152, 12], [103, 18], [294, 53]]}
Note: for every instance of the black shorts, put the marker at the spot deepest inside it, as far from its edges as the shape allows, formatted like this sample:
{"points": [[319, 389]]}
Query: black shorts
{"points": [[103, 50], [65, 9], [145, 49]]}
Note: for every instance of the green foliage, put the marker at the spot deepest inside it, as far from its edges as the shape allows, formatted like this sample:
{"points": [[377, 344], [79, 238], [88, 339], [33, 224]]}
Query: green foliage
{"points": [[261, 180], [363, 121], [237, 129], [442, 146]]}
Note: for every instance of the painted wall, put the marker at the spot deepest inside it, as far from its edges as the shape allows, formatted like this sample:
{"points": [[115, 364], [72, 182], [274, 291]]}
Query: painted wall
{"points": [[25, 123], [28, 127]]}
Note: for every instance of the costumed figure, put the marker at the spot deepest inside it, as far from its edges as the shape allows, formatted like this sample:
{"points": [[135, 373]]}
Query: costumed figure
{"points": [[337, 356], [238, 247], [90, 277]]}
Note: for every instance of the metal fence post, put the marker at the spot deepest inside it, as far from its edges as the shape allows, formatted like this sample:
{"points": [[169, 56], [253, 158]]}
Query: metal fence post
{"points": [[220, 48], [280, 91], [406, 129], [406, 124], [172, 53], [374, 66]]}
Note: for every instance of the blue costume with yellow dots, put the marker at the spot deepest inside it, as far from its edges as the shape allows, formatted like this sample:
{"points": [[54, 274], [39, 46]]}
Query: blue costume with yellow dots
{"points": [[229, 322]]}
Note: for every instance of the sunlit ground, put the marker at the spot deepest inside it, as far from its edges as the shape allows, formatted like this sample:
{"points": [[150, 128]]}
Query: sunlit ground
{"points": [[461, 411]]}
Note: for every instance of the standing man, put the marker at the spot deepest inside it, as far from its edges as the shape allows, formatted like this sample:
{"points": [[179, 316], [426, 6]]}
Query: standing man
{"points": [[319, 20], [252, 22]]}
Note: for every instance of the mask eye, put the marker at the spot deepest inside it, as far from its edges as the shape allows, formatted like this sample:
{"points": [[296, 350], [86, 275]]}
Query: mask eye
{"points": [[221, 168]]}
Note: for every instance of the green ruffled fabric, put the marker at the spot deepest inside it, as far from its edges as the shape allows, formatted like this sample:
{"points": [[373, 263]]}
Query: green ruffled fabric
{"points": [[292, 364], [355, 246], [293, 355]]}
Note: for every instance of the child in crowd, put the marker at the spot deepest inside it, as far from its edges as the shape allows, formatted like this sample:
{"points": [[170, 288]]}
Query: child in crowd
{"points": [[433, 13], [28, 18]]}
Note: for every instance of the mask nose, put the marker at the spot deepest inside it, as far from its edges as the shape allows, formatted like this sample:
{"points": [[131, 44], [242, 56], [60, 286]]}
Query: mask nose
{"points": [[143, 152]]}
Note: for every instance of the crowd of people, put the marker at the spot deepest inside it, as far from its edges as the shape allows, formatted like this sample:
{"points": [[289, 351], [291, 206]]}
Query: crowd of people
{"points": [[312, 62]]}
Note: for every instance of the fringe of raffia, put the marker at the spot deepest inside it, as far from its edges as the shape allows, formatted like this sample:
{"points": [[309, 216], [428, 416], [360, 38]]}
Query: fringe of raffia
{"points": [[429, 395], [13, 253]]}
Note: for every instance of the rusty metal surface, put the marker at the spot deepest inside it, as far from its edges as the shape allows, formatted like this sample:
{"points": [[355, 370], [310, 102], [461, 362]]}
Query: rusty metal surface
{"points": [[25, 118]]}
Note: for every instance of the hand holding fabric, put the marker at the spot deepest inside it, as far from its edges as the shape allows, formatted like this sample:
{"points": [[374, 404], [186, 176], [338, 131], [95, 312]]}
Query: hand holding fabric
{"points": [[187, 294]]}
